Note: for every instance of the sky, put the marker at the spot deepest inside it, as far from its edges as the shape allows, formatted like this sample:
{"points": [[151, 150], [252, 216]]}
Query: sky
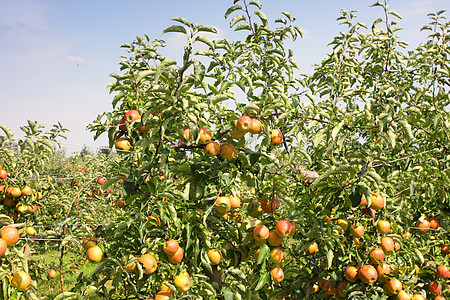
{"points": [[56, 56]]}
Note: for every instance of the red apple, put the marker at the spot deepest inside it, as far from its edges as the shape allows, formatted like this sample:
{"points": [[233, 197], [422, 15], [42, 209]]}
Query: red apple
{"points": [[204, 136], [435, 288], [132, 115], [443, 272], [277, 137], [256, 126], [283, 228], [244, 123], [261, 232]]}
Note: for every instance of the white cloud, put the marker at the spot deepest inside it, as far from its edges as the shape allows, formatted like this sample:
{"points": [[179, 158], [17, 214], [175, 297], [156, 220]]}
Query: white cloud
{"points": [[76, 59]]}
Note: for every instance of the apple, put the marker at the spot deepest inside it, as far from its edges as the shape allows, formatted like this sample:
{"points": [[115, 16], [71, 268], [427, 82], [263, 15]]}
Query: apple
{"points": [[357, 230], [186, 132], [132, 115], [204, 136], [377, 201], [417, 297], [376, 253], [261, 232], [269, 206], [313, 248], [341, 287], [234, 201], [52, 273], [89, 242], [442, 271], [283, 228], [368, 211], [244, 124], [403, 295], [383, 226], [121, 203], [177, 257], [171, 247], [363, 201], [94, 254], [122, 125], [212, 148], [435, 288], [343, 223], [351, 273], [274, 239], [3, 247], [182, 282], [328, 287], [393, 287], [10, 235], [276, 255], [228, 151], [21, 281], [101, 180], [14, 192], [445, 249], [123, 145], [237, 135], [368, 274], [223, 205], [3, 174], [254, 209], [149, 262], [214, 256], [277, 137], [256, 126], [387, 244], [434, 223], [277, 274], [26, 191], [423, 226], [383, 270]]}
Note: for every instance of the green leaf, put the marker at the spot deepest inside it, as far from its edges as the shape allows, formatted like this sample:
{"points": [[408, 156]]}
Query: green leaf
{"points": [[219, 98], [396, 14], [261, 16], [407, 128], [330, 256], [232, 9], [264, 253], [263, 279], [175, 28], [236, 20], [256, 3], [336, 130], [205, 40], [205, 28], [162, 66], [182, 21]]}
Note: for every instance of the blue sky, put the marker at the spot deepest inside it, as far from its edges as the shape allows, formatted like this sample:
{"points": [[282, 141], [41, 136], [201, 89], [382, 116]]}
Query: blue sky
{"points": [[56, 56]]}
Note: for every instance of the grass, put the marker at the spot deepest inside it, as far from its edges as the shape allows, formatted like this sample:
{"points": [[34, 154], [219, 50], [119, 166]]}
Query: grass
{"points": [[73, 265]]}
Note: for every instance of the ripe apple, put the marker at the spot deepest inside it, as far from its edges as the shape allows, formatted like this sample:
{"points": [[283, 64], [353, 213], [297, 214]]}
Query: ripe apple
{"points": [[3, 174], [283, 228], [269, 206], [204, 136], [237, 135], [383, 226], [121, 203], [392, 287], [313, 248], [132, 115], [351, 273], [417, 297], [235, 201], [403, 295], [123, 145], [423, 226], [341, 287], [277, 137], [261, 232], [274, 239], [343, 223], [256, 126], [212, 148], [277, 274], [3, 247], [149, 262], [21, 281], [368, 274], [445, 249], [228, 151], [435, 288], [52, 273], [10, 235], [122, 125], [162, 295], [186, 132], [171, 247], [328, 287], [89, 242], [378, 201], [223, 205], [363, 201], [182, 282], [442, 271], [254, 209], [215, 256], [276, 255], [177, 257], [14, 192], [376, 253], [387, 244], [101, 180], [383, 270], [26, 191], [244, 123], [94, 254], [434, 223], [357, 230]]}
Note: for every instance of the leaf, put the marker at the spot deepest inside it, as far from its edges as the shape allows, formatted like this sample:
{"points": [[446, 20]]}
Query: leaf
{"points": [[182, 21], [396, 14], [236, 20], [8, 132], [263, 279], [261, 16], [175, 28], [143, 74], [205, 28], [330, 256], [227, 293], [264, 253], [391, 137], [162, 66], [327, 173], [407, 128], [218, 98], [419, 256], [256, 3], [336, 130], [232, 9]]}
